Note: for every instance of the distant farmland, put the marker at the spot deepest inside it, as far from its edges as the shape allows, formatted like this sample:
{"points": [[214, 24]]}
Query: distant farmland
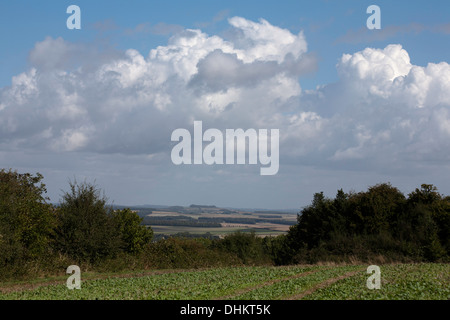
{"points": [[197, 220]]}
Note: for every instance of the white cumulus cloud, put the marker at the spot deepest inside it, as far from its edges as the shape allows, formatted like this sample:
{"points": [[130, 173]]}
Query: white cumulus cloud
{"points": [[382, 110]]}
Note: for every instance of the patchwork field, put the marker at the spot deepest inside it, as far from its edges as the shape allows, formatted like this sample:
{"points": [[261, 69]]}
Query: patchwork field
{"points": [[310, 282], [216, 221]]}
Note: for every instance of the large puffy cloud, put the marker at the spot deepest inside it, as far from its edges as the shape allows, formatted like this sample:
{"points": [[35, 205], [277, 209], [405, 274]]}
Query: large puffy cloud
{"points": [[382, 112], [72, 99], [375, 64]]}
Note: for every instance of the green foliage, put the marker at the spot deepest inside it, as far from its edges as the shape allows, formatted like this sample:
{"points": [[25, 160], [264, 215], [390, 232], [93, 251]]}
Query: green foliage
{"points": [[135, 237], [378, 208], [86, 230], [293, 285], [431, 213], [246, 246], [26, 221], [187, 253], [378, 225], [380, 221], [36, 238], [278, 249], [398, 282]]}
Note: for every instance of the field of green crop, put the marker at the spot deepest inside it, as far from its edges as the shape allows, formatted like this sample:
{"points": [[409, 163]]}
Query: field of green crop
{"points": [[398, 282]]}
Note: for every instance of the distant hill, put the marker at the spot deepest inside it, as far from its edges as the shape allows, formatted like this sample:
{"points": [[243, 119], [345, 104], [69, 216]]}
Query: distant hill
{"points": [[261, 210], [201, 206]]}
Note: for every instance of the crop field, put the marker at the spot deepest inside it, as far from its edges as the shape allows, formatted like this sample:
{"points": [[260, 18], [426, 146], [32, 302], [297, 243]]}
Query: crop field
{"points": [[310, 282], [216, 221]]}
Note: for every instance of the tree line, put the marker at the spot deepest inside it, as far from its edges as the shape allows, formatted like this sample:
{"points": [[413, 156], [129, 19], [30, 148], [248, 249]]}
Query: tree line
{"points": [[182, 221], [378, 223], [37, 237], [82, 228]]}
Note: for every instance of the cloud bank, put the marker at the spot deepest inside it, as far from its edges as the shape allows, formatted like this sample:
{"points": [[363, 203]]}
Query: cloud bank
{"points": [[383, 113]]}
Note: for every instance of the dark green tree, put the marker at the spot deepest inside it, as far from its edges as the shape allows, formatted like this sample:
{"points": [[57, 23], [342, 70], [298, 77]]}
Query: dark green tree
{"points": [[427, 194], [427, 222], [378, 208], [134, 235], [86, 230], [315, 222], [379, 221], [26, 219]]}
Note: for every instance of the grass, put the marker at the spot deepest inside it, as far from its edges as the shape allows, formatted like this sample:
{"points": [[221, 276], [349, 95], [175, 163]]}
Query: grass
{"points": [[321, 282]]}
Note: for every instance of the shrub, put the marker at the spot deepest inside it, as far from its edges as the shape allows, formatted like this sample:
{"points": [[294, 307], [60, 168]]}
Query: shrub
{"points": [[86, 230], [246, 246], [135, 236]]}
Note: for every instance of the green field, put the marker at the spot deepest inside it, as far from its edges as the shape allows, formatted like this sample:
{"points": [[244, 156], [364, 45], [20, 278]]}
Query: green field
{"points": [[398, 282]]}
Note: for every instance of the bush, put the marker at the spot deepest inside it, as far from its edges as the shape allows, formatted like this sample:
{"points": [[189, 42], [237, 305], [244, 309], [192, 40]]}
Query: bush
{"points": [[187, 253], [246, 246], [278, 249], [86, 229], [135, 236]]}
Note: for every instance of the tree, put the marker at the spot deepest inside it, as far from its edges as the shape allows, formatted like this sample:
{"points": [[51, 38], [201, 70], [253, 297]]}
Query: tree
{"points": [[427, 194], [315, 222], [134, 235], [379, 208], [86, 230], [378, 221], [428, 217], [26, 219]]}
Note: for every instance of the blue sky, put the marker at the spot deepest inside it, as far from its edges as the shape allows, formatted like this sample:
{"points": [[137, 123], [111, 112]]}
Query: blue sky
{"points": [[344, 123], [324, 22]]}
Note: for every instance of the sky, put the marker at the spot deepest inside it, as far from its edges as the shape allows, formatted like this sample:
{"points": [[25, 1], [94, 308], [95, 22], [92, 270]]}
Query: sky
{"points": [[354, 106]]}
